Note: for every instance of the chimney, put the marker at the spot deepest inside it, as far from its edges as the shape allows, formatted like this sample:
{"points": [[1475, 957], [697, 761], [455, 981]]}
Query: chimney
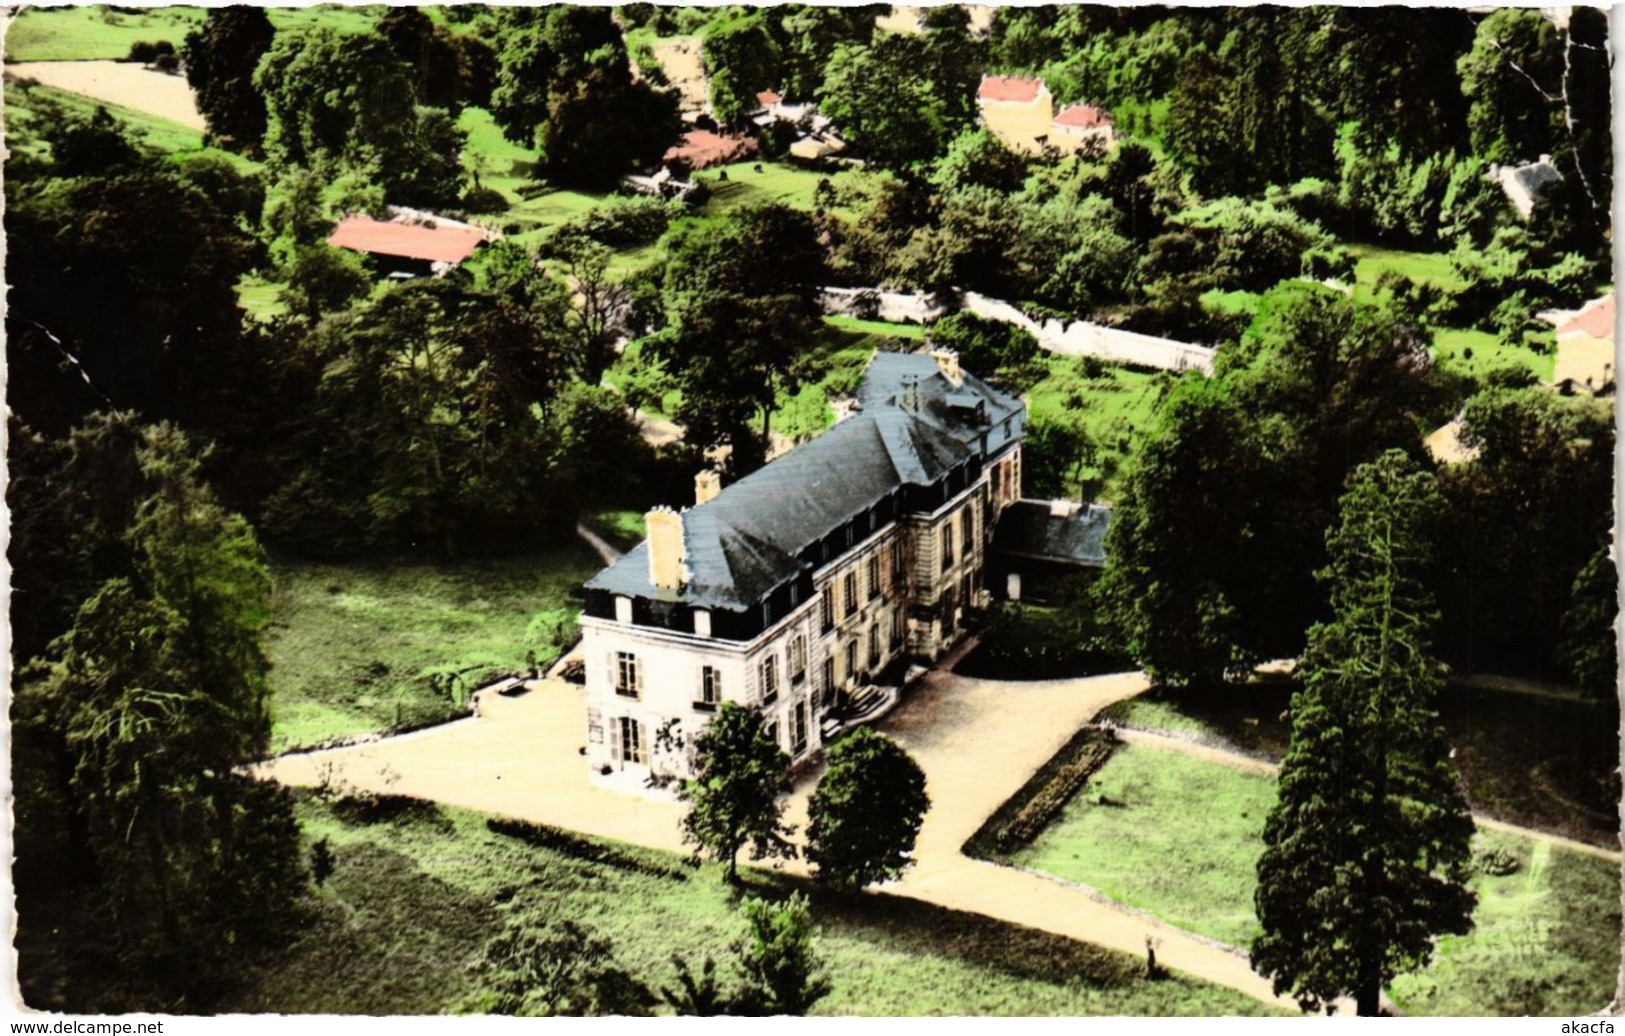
{"points": [[909, 397], [948, 364], [667, 570], [707, 484]]}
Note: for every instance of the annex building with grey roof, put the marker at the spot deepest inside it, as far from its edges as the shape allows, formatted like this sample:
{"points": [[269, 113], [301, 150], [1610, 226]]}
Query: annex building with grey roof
{"points": [[802, 584]]}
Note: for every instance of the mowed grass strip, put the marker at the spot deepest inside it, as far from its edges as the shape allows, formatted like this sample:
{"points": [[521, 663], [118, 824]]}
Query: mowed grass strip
{"points": [[1184, 842], [354, 647], [1180, 840], [416, 896]]}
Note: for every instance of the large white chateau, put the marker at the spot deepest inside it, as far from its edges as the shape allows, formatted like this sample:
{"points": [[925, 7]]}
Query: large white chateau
{"points": [[792, 589]]}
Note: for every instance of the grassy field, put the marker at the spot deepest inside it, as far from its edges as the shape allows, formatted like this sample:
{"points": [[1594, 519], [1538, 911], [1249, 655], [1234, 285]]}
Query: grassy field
{"points": [[1114, 405], [159, 134], [1542, 762], [81, 33], [415, 897], [354, 647], [1476, 353], [1372, 261], [86, 33], [772, 183], [1184, 845]]}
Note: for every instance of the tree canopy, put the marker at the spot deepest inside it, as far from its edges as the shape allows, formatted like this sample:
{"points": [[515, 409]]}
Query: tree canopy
{"points": [[866, 812], [1367, 847], [565, 87], [734, 796]]}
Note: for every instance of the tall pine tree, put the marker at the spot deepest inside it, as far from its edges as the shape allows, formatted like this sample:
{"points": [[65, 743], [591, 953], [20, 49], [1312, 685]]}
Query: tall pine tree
{"points": [[1367, 847]]}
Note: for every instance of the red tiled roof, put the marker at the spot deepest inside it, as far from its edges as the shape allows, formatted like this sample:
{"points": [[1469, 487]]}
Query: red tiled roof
{"points": [[1005, 88], [768, 98], [435, 244], [1596, 320], [1083, 116], [701, 148]]}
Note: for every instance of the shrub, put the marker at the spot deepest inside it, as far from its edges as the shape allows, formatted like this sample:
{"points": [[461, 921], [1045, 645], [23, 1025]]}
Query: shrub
{"points": [[143, 51]]}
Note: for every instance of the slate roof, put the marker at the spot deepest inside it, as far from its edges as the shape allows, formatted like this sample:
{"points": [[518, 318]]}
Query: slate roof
{"points": [[748, 539], [1030, 528], [433, 243]]}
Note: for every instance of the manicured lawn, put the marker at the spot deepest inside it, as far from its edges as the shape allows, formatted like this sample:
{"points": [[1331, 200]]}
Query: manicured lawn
{"points": [[415, 897], [911, 332], [1475, 353], [1547, 941], [354, 647], [1537, 761], [1115, 406], [1184, 845], [1372, 261], [783, 184]]}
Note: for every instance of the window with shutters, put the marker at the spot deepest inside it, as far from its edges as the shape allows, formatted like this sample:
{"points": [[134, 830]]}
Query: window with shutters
{"points": [[852, 661], [897, 572], [827, 692], [947, 546], [770, 679], [874, 646], [874, 576], [798, 728], [849, 589], [628, 682], [710, 689], [826, 609], [630, 740], [798, 659]]}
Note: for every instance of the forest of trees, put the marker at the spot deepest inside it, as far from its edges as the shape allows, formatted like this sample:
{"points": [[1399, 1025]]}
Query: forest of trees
{"points": [[162, 441]]}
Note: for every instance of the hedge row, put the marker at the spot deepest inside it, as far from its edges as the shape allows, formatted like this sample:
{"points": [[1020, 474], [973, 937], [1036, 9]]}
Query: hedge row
{"points": [[542, 836]]}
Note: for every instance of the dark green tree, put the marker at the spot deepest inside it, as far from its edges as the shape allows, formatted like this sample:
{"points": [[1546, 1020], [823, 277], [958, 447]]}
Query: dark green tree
{"points": [[893, 115], [1181, 540], [153, 702], [1527, 516], [565, 87], [1367, 848], [1395, 75], [221, 56], [779, 956], [1512, 78], [808, 34], [743, 297], [734, 796], [339, 103], [866, 813], [127, 298], [742, 59], [1589, 649]]}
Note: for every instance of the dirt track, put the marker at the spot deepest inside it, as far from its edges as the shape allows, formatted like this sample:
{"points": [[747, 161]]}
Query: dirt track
{"points": [[118, 82]]}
